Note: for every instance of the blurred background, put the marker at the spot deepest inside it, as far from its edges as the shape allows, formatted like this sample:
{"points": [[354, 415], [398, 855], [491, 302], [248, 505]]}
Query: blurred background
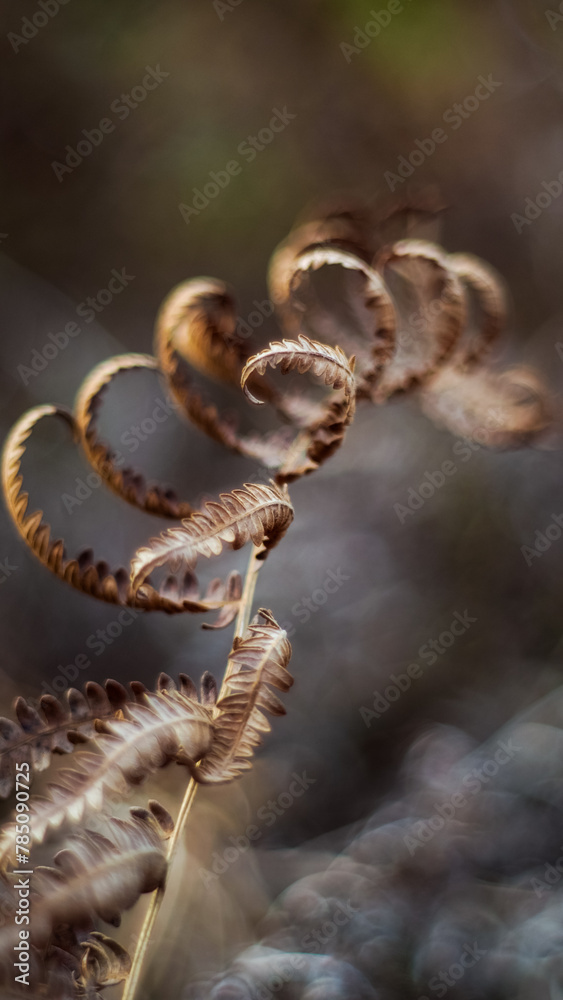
{"points": [[70, 218]]}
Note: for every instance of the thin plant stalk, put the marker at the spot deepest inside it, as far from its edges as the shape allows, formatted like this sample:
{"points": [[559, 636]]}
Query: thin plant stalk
{"points": [[158, 896], [253, 568], [243, 618]]}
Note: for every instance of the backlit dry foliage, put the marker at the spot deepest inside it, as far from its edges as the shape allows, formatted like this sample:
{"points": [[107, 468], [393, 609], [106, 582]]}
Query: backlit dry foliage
{"points": [[400, 318]]}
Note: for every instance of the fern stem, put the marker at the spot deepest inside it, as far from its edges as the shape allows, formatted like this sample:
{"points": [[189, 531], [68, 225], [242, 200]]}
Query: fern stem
{"points": [[158, 896], [182, 818], [254, 566], [142, 945]]}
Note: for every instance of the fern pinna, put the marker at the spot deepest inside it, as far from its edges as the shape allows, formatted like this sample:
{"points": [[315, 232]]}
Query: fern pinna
{"points": [[403, 317]]}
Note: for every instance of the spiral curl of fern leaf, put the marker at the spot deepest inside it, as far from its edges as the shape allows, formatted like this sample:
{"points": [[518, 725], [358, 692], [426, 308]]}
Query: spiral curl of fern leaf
{"points": [[258, 513]]}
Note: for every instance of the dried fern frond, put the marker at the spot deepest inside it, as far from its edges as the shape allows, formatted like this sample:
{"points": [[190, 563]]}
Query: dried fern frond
{"points": [[496, 409], [56, 726], [287, 279], [303, 355], [81, 572], [101, 876], [126, 482], [257, 513], [506, 409], [186, 687], [449, 309], [430, 306], [95, 876], [166, 726], [290, 272], [95, 579], [346, 228], [197, 321], [483, 285], [104, 963], [320, 440], [257, 663], [196, 326], [59, 725]]}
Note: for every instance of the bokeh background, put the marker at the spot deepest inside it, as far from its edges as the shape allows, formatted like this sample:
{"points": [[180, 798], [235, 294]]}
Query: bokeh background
{"points": [[227, 69]]}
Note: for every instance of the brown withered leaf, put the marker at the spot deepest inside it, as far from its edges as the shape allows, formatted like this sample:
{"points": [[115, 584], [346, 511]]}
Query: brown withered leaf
{"points": [[197, 321], [345, 226], [59, 725], [104, 963], [94, 876], [196, 327], [413, 215], [257, 513], [101, 876], [74, 969], [229, 594], [506, 409], [329, 364], [309, 249], [268, 449], [128, 751], [321, 439], [288, 281], [82, 573], [257, 663], [55, 726], [486, 312], [192, 328], [128, 483], [185, 685], [430, 308]]}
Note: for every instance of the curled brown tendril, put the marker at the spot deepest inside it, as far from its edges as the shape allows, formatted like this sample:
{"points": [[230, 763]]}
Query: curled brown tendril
{"points": [[414, 319], [82, 572]]}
